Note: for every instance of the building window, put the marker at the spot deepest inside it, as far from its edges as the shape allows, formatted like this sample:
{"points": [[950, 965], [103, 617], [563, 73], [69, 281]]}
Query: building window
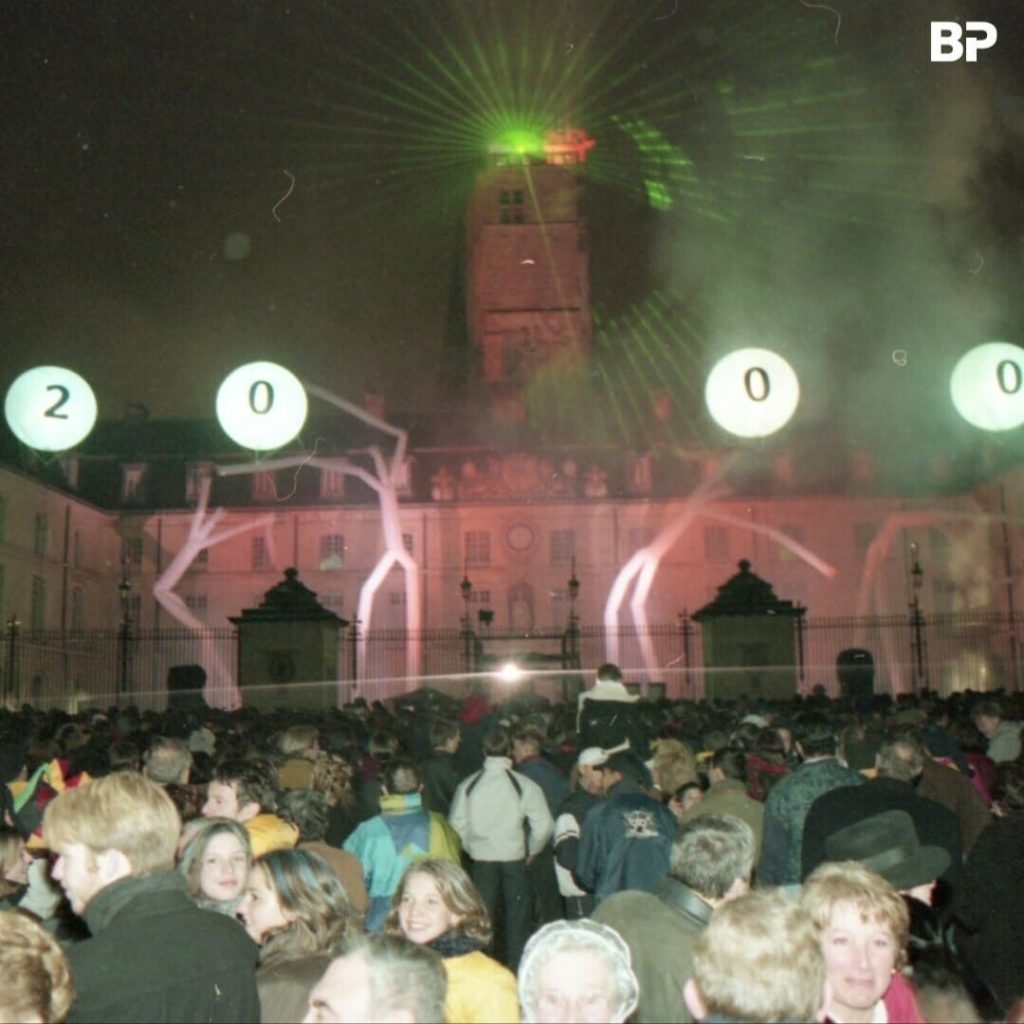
{"points": [[3, 617], [260, 559], [863, 535], [477, 548], [333, 601], [3, 517], [563, 547], [332, 552], [37, 616], [40, 534], [716, 544], [131, 482], [131, 552], [135, 608], [332, 483], [511, 203], [263, 486], [77, 609], [480, 597], [794, 533], [407, 542], [396, 598], [202, 559], [196, 604], [76, 550]]}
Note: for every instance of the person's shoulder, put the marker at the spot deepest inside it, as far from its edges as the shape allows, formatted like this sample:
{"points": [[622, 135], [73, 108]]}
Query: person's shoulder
{"points": [[625, 906]]}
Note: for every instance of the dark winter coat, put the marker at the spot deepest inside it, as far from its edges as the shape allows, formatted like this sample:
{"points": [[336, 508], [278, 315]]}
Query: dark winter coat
{"points": [[155, 956], [785, 811], [626, 842]]}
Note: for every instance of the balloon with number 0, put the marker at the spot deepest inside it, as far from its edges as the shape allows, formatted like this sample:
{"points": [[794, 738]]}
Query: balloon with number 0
{"points": [[752, 392], [261, 406], [987, 386]]}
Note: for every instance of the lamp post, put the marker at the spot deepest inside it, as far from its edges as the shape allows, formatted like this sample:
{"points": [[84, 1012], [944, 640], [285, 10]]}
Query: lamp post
{"points": [[574, 622], [10, 687], [466, 588], [917, 620], [124, 590]]}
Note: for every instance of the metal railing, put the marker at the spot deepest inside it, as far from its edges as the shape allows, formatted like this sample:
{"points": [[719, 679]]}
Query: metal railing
{"points": [[94, 668]]}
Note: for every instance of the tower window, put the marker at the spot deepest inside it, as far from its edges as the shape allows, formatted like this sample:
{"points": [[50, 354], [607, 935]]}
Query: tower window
{"points": [[511, 202]]}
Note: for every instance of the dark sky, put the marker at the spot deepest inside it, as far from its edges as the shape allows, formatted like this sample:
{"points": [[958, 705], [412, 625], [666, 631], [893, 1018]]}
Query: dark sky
{"points": [[829, 187]]}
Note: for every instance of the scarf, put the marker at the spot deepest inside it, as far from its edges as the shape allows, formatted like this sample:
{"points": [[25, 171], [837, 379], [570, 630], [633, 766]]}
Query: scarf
{"points": [[454, 943]]}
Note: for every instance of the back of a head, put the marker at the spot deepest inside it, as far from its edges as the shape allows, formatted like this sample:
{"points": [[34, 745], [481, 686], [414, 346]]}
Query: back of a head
{"points": [[731, 762], [168, 760], [609, 673], [37, 983], [401, 776], [298, 740], [815, 734], [497, 744], [901, 758], [124, 812], [307, 810], [711, 852], [760, 960]]}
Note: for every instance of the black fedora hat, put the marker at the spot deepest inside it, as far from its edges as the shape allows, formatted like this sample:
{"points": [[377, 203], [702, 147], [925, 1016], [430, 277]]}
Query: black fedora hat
{"points": [[887, 843]]}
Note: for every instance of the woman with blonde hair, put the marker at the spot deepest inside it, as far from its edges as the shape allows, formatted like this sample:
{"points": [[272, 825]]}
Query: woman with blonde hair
{"points": [[216, 862], [296, 909], [863, 925], [436, 905]]}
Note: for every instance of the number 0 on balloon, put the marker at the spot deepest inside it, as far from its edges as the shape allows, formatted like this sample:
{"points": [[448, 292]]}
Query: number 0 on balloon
{"points": [[752, 392], [261, 406]]}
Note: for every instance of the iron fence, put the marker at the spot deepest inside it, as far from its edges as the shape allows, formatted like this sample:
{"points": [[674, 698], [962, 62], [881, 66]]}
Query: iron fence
{"points": [[73, 670]]}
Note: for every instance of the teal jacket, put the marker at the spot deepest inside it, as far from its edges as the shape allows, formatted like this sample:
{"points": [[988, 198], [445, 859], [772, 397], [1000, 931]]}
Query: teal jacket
{"points": [[388, 843]]}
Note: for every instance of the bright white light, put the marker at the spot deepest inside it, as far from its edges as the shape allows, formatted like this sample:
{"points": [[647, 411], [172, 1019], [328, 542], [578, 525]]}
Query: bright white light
{"points": [[987, 386], [50, 408], [510, 672], [261, 406], [752, 392]]}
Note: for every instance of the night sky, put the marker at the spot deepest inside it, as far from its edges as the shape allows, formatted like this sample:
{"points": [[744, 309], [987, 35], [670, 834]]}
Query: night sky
{"points": [[189, 186]]}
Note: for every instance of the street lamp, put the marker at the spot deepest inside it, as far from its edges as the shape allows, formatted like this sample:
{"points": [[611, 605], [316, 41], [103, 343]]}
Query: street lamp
{"points": [[466, 588], [573, 587], [917, 619], [125, 591]]}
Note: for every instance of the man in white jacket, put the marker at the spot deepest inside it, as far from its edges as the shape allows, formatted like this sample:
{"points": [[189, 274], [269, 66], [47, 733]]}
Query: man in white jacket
{"points": [[503, 821]]}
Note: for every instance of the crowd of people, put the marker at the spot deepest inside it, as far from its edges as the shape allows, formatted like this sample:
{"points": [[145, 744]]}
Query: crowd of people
{"points": [[464, 860]]}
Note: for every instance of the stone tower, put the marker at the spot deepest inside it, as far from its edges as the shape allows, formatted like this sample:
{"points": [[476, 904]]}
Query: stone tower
{"points": [[527, 281]]}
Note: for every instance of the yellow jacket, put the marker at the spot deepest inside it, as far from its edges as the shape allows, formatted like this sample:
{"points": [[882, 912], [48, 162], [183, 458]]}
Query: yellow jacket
{"points": [[269, 832], [480, 991]]}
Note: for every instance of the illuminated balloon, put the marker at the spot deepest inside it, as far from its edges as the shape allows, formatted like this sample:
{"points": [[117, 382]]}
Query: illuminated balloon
{"points": [[50, 408], [987, 386], [261, 406], [752, 392]]}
